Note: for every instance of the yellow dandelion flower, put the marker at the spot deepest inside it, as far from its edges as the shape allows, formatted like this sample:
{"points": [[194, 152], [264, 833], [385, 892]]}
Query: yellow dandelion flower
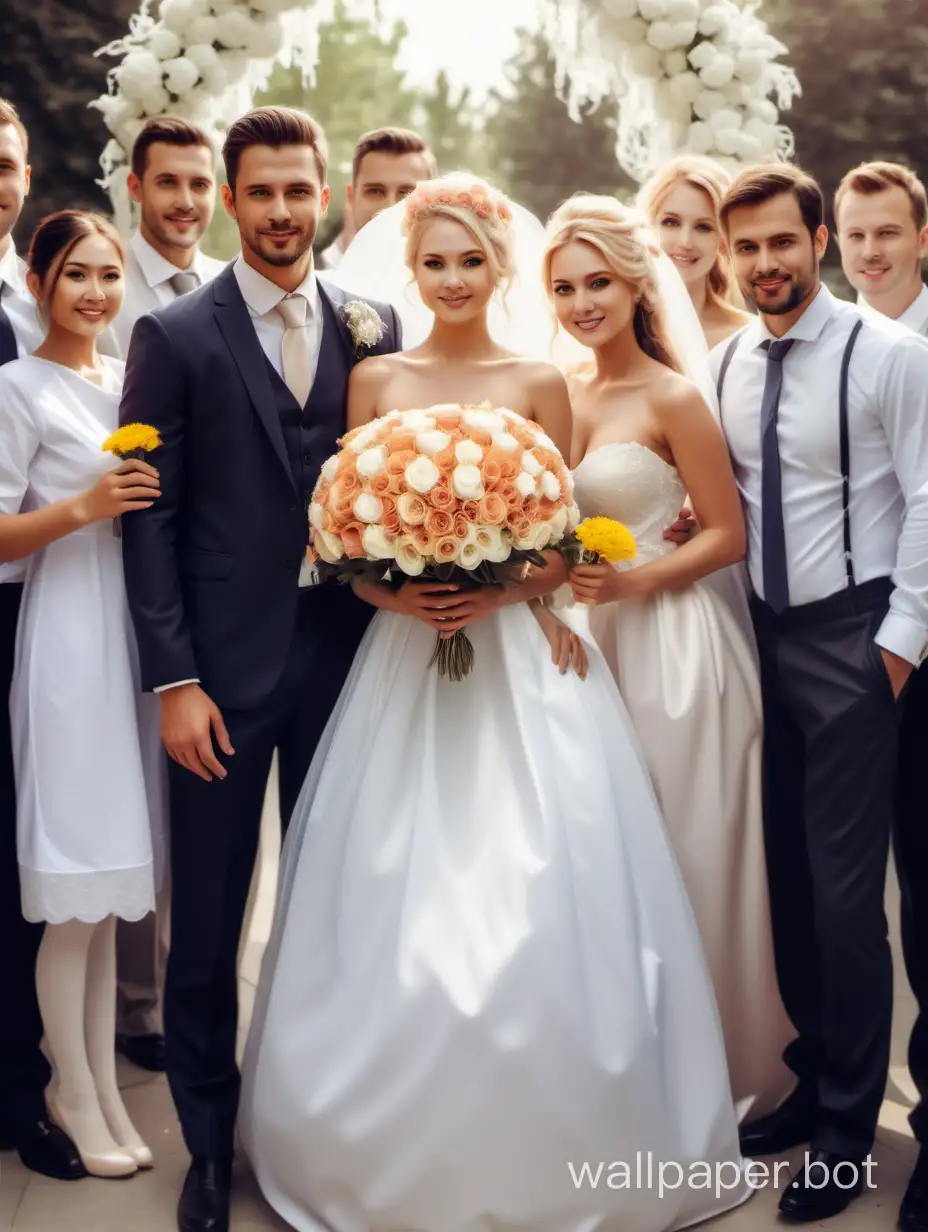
{"points": [[605, 537], [132, 439]]}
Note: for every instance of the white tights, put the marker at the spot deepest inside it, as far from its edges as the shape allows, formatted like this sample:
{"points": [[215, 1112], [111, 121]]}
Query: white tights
{"points": [[76, 985]]}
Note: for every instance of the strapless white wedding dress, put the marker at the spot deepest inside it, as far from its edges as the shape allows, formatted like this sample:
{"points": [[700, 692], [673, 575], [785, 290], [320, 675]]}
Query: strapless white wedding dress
{"points": [[688, 676], [484, 975]]}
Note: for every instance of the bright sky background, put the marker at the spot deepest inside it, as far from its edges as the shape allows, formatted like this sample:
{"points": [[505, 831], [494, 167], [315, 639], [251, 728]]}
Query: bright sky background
{"points": [[471, 39]]}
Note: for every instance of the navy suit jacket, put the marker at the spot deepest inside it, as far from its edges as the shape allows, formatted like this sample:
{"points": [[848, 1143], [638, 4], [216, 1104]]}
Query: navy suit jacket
{"points": [[211, 569]]}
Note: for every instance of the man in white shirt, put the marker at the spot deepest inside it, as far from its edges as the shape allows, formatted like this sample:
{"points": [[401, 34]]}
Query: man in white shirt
{"points": [[388, 164], [173, 180], [24, 1072], [881, 211], [826, 416], [247, 381]]}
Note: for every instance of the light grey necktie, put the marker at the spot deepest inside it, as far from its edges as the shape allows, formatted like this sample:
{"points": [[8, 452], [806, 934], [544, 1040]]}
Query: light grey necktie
{"points": [[184, 281], [293, 310]]}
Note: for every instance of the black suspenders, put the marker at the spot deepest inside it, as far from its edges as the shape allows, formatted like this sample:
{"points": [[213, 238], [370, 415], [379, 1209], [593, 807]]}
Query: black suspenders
{"points": [[843, 432]]}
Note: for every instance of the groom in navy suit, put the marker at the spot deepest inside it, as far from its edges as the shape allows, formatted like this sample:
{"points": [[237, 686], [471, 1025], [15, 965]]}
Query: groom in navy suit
{"points": [[246, 379]]}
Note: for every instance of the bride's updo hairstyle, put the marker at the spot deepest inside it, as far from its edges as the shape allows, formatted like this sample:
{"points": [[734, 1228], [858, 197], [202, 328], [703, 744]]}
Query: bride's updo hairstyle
{"points": [[486, 213], [53, 241], [713, 181], [628, 247]]}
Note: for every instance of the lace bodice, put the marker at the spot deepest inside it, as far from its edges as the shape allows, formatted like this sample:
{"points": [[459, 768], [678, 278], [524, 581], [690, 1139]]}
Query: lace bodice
{"points": [[629, 482]]}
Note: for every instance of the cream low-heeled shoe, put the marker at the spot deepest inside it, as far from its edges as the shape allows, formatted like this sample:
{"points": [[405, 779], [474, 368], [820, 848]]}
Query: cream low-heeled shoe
{"points": [[109, 1165], [140, 1153]]}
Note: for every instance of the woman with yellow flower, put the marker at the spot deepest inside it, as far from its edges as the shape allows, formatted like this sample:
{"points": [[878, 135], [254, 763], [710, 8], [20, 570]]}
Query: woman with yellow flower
{"points": [[85, 743], [644, 440]]}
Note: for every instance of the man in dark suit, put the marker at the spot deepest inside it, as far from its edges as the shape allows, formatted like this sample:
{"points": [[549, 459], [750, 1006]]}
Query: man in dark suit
{"points": [[246, 379]]}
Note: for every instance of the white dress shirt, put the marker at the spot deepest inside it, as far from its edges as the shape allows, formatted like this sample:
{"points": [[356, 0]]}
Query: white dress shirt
{"points": [[888, 430], [148, 284], [333, 256], [915, 316]]}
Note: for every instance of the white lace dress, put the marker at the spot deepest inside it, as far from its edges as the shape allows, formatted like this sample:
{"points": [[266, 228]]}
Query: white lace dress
{"points": [[89, 768]]}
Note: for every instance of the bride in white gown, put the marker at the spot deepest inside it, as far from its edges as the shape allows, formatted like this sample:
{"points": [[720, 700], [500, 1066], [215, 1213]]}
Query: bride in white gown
{"points": [[484, 972]]}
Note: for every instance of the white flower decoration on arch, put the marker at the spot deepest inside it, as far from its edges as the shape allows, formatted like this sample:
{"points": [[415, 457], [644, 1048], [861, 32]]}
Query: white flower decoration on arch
{"points": [[690, 75]]}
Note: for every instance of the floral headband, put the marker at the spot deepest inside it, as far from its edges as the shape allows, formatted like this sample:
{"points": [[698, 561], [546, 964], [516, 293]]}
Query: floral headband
{"points": [[476, 199]]}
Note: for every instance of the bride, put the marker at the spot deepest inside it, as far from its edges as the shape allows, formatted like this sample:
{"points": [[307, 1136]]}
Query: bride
{"points": [[483, 973]]}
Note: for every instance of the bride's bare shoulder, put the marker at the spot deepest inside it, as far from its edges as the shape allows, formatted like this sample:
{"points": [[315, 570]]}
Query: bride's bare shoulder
{"points": [[541, 377]]}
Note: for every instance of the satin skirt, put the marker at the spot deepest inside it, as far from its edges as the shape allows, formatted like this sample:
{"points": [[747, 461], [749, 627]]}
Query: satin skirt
{"points": [[687, 671], [484, 972]]}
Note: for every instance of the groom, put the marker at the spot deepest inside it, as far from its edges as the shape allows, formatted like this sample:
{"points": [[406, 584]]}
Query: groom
{"points": [[246, 380]]}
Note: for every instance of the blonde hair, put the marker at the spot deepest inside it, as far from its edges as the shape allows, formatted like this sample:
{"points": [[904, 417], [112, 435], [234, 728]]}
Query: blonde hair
{"points": [[485, 213], [629, 247], [712, 179]]}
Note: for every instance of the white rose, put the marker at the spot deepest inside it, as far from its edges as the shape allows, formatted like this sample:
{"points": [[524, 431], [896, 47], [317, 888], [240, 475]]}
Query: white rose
{"points": [[139, 74], [726, 118], [330, 467], [367, 507], [178, 14], [541, 536], [708, 102], [408, 557], [217, 76], [719, 73], [180, 75], [683, 10], [316, 515], [164, 43], [469, 453], [633, 32], [700, 138], [484, 421], [418, 421], [728, 141], [652, 10], [666, 35], [467, 482], [645, 60], [750, 65], [559, 524], [718, 19], [621, 10], [406, 508], [505, 441], [267, 40], [376, 543], [422, 475], [675, 63], [235, 29], [157, 102], [525, 484], [365, 439], [511, 416], [328, 546], [372, 462], [685, 88], [470, 556], [763, 133], [702, 55], [550, 486], [432, 442], [531, 464], [492, 543], [763, 109]]}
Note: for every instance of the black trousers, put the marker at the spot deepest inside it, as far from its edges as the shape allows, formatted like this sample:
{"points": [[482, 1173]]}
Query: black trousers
{"points": [[911, 850], [214, 840], [830, 753], [24, 1071]]}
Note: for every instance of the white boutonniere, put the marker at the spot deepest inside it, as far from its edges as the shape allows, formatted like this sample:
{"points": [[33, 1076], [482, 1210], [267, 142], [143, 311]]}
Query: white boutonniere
{"points": [[364, 324]]}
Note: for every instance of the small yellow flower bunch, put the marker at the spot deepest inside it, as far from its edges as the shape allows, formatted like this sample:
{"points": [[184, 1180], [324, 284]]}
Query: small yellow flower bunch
{"points": [[607, 539], [132, 441]]}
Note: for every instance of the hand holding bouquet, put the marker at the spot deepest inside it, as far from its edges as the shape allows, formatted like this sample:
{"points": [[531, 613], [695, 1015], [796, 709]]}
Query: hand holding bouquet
{"points": [[131, 443], [453, 494], [598, 545]]}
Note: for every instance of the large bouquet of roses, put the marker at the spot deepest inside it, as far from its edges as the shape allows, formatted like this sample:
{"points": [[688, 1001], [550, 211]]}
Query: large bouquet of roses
{"points": [[469, 495]]}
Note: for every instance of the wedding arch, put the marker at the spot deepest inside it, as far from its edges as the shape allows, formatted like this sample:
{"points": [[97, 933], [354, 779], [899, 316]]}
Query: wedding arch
{"points": [[704, 76]]}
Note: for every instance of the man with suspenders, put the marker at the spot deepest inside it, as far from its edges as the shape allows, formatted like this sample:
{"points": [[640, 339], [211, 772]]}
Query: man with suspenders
{"points": [[826, 417], [881, 214]]}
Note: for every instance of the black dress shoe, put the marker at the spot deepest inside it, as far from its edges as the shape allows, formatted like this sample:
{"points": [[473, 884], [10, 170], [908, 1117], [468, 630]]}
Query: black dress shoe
{"points": [[204, 1202], [913, 1214], [825, 1185], [145, 1051], [46, 1149], [792, 1124]]}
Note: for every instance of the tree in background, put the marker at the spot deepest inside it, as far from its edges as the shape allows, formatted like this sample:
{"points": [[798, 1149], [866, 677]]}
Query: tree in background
{"points": [[452, 125], [539, 154]]}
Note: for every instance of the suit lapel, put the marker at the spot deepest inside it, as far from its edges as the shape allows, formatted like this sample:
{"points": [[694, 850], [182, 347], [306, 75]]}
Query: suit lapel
{"points": [[238, 330], [334, 324]]}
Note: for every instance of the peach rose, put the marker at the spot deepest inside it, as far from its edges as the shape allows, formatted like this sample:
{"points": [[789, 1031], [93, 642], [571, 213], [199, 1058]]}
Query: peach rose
{"points": [[471, 510], [493, 510], [343, 511], [509, 493], [397, 484], [329, 525], [349, 483], [400, 440], [423, 540], [438, 522], [412, 508], [521, 527], [380, 484], [441, 496], [398, 461], [448, 421], [352, 540], [491, 471], [446, 551], [390, 519], [461, 526]]}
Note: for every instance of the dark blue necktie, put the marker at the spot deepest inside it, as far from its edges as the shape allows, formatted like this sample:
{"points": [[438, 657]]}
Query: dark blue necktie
{"points": [[773, 535], [8, 347]]}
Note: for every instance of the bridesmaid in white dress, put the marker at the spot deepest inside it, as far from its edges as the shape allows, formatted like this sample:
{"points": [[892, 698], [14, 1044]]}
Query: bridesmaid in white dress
{"points": [[86, 752], [483, 971], [643, 439]]}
